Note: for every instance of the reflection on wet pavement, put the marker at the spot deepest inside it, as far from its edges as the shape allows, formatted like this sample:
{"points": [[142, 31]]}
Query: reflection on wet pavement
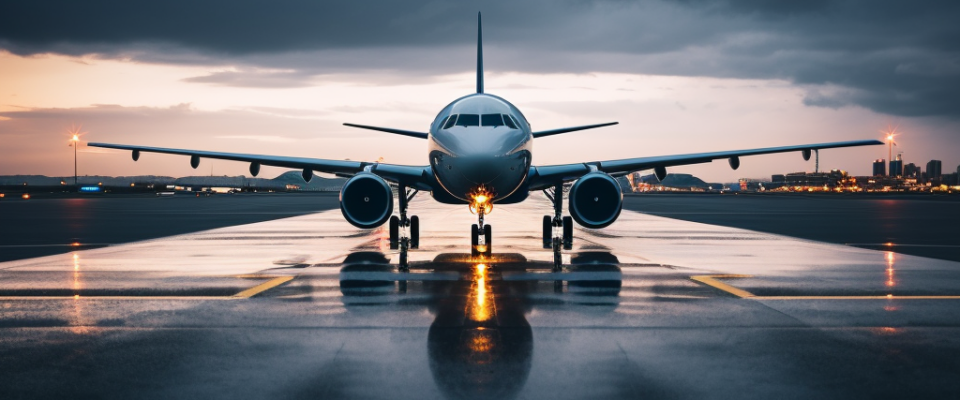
{"points": [[331, 315]]}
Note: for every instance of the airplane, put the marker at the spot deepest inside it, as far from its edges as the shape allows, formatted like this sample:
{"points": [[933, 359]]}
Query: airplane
{"points": [[479, 152]]}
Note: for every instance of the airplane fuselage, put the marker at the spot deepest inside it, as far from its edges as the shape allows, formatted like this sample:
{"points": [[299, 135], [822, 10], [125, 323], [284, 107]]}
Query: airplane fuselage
{"points": [[480, 142]]}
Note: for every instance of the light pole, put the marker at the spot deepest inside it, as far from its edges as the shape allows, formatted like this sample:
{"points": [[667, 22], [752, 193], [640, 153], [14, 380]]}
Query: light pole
{"points": [[76, 142], [890, 148]]}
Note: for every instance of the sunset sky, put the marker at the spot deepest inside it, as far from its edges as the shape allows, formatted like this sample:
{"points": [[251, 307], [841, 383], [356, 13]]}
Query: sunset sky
{"points": [[281, 77]]}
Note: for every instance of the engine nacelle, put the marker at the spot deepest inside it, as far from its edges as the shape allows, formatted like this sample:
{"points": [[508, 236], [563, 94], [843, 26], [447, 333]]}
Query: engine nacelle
{"points": [[366, 201], [596, 200]]}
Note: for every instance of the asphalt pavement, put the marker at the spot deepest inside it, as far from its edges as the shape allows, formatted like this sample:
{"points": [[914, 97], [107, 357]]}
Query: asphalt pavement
{"points": [[311, 307]]}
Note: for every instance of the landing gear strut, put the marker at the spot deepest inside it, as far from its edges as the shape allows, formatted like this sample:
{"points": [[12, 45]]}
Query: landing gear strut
{"points": [[557, 221], [398, 238], [476, 231]]}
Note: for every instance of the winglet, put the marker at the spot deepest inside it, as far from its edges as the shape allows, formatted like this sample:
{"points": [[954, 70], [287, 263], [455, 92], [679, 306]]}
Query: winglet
{"points": [[479, 55]]}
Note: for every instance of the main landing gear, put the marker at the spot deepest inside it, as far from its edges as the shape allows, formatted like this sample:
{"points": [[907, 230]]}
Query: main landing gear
{"points": [[411, 237], [550, 240]]}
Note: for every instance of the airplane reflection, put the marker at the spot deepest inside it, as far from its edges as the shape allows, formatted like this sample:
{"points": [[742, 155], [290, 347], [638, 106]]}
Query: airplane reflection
{"points": [[480, 344], [480, 350]]}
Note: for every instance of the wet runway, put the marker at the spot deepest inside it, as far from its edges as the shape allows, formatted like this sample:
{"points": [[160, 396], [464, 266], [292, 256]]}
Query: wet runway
{"points": [[310, 307]]}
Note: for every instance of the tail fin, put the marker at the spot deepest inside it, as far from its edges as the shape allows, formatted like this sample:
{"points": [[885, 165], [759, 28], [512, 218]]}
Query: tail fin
{"points": [[479, 55]]}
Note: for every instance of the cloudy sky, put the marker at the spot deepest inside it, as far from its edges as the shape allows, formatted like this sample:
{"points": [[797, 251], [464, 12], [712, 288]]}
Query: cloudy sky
{"points": [[280, 77]]}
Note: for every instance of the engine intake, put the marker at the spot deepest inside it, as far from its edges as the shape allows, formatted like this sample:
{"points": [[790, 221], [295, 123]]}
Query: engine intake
{"points": [[366, 201], [596, 200]]}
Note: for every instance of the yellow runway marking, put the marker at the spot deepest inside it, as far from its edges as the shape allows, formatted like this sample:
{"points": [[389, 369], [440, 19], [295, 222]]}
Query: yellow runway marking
{"points": [[192, 298], [263, 287], [246, 294], [711, 280], [856, 297]]}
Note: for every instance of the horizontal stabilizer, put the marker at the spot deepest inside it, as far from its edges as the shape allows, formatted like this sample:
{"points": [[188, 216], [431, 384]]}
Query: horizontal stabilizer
{"points": [[570, 129], [421, 135]]}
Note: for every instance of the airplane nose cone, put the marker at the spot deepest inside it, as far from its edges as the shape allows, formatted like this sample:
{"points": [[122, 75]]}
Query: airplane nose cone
{"points": [[481, 169]]}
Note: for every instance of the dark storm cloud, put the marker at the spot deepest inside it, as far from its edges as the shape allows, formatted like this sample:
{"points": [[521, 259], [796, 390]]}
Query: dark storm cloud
{"points": [[896, 57]]}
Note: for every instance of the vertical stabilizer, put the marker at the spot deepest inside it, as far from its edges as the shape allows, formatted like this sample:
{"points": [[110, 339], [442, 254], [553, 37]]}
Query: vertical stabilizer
{"points": [[479, 55]]}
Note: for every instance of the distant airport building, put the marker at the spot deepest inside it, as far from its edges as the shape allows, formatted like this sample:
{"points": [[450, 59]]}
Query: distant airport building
{"points": [[958, 175], [933, 169], [896, 166], [835, 180], [949, 179], [879, 167], [911, 171]]}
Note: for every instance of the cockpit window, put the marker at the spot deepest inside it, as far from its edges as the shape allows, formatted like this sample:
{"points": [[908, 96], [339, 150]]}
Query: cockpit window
{"points": [[450, 121], [509, 122], [468, 120], [493, 120]]}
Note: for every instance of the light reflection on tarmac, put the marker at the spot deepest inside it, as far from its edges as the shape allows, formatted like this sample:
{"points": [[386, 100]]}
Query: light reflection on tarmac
{"points": [[215, 315]]}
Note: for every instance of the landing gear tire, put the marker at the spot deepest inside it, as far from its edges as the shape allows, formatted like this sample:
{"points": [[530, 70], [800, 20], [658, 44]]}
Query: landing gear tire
{"points": [[394, 232], [547, 231], [488, 240], [474, 240], [567, 233], [414, 232]]}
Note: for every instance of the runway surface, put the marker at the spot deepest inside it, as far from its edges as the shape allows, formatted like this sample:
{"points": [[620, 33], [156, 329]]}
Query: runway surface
{"points": [[919, 224], [56, 225], [310, 307]]}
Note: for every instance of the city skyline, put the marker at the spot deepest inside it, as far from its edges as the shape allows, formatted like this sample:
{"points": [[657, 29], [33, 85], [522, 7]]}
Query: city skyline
{"points": [[719, 76]]}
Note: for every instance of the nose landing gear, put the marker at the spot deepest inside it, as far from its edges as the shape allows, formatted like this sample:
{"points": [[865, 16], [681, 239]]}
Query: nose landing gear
{"points": [[476, 231], [482, 204]]}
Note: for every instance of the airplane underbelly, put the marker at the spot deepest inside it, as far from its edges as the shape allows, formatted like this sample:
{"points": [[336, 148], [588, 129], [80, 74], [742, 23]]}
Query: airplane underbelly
{"points": [[460, 176]]}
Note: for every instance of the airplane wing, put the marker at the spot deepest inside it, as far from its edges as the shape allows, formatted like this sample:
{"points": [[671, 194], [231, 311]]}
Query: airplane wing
{"points": [[411, 176], [543, 177]]}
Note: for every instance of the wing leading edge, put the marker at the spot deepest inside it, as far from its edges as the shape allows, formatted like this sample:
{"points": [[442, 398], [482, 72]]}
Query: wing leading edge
{"points": [[412, 176], [546, 176]]}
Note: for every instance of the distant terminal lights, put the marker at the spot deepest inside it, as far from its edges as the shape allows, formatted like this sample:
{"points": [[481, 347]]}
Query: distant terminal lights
{"points": [[911, 174], [833, 181]]}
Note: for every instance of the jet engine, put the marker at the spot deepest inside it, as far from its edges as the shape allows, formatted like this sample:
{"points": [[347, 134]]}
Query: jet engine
{"points": [[596, 200], [366, 201]]}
